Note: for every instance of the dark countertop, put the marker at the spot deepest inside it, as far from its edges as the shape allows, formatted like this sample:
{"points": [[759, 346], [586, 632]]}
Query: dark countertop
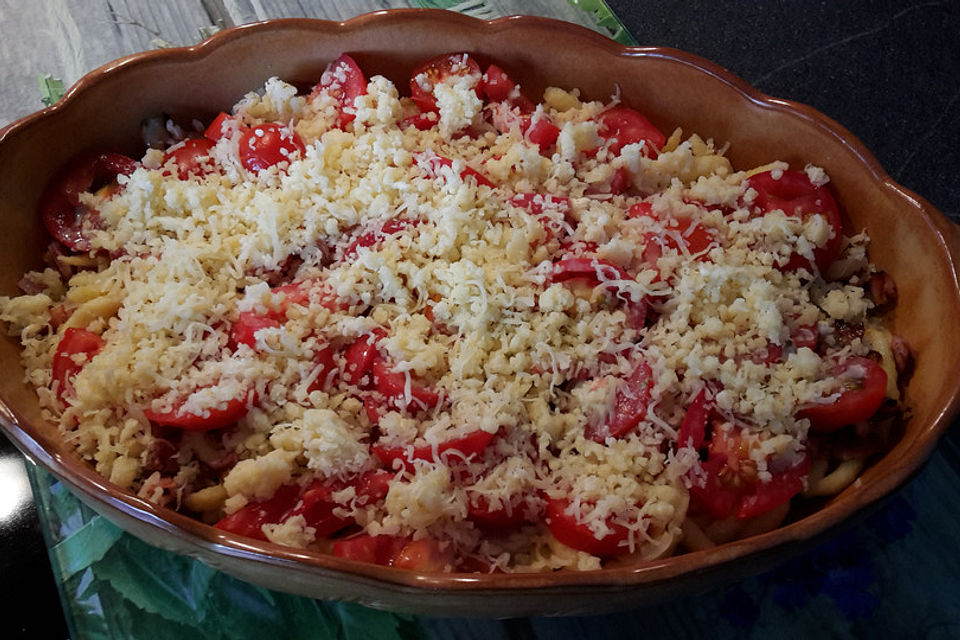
{"points": [[886, 70]]}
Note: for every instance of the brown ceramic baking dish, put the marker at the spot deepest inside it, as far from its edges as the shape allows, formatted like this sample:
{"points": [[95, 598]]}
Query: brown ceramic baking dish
{"points": [[911, 240]]}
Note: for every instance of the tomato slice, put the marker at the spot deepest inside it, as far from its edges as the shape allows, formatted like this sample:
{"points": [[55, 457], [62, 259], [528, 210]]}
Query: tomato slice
{"points": [[375, 236], [577, 535], [74, 342], [498, 520], [543, 133], [541, 206], [266, 145], [462, 448], [432, 163], [344, 82], [192, 157], [249, 520], [326, 367], [215, 131], [641, 210], [497, 85], [693, 430], [865, 386], [621, 126], [629, 406], [797, 196], [591, 270], [423, 555], [222, 415], [60, 209], [393, 385], [732, 487], [437, 70], [373, 549], [314, 502], [248, 323], [360, 356]]}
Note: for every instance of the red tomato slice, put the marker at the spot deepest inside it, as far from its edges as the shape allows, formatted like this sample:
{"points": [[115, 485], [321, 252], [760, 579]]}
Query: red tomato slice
{"points": [[693, 430], [495, 520], [432, 163], [437, 70], [226, 413], [423, 555], [248, 323], [60, 209], [805, 336], [360, 356], [497, 85], [326, 367], [381, 550], [192, 157], [621, 126], [463, 448], [344, 82], [592, 270], [265, 145], [865, 386], [797, 196], [215, 131], [732, 487], [249, 520], [629, 406], [316, 505], [421, 121], [375, 236], [543, 133], [393, 385], [641, 210], [74, 342], [578, 535]]}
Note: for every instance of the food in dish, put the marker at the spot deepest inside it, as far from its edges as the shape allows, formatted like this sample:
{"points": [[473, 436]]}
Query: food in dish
{"points": [[458, 330]]}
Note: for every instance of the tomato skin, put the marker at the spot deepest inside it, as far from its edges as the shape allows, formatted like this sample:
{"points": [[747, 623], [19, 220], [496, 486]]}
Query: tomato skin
{"points": [[392, 384], [495, 520], [422, 555], [629, 406], [797, 196], [589, 270], [436, 70], [326, 366], [621, 126], [192, 157], [373, 237], [64, 368], [60, 209], [215, 131], [366, 548], [360, 356], [693, 430], [344, 81], [732, 488], [249, 519], [433, 162], [497, 85], [266, 145], [578, 535], [469, 446], [226, 414], [248, 323], [853, 405], [543, 133]]}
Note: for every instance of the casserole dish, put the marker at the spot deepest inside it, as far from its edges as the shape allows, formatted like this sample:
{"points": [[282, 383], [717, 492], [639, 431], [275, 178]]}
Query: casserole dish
{"points": [[910, 240]]}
